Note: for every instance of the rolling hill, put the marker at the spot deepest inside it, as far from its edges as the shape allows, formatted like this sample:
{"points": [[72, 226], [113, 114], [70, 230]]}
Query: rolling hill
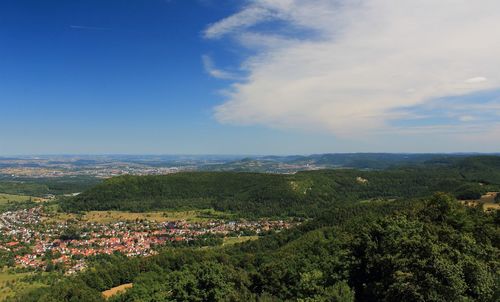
{"points": [[303, 193]]}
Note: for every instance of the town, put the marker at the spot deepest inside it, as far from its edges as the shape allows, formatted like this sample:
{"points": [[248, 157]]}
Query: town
{"points": [[36, 242], [102, 167]]}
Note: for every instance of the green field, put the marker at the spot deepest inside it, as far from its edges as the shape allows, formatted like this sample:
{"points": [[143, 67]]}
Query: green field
{"points": [[235, 240], [157, 216], [11, 283], [6, 198]]}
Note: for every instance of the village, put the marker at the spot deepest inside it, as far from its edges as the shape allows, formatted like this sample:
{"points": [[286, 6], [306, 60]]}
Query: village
{"points": [[36, 243]]}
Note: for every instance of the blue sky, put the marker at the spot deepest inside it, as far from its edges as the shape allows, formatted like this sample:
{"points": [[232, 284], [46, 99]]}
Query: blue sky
{"points": [[237, 77]]}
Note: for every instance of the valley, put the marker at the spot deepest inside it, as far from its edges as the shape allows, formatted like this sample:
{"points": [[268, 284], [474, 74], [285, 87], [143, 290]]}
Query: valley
{"points": [[256, 235]]}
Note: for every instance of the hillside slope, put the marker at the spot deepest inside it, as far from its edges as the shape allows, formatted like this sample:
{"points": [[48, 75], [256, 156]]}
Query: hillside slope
{"points": [[303, 193], [429, 250]]}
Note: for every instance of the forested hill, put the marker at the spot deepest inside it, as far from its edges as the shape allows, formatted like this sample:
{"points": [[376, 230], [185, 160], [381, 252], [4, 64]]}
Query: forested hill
{"points": [[303, 193]]}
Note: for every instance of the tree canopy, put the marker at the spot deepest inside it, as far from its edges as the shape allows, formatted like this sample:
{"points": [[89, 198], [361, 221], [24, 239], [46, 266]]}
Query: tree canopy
{"points": [[431, 249]]}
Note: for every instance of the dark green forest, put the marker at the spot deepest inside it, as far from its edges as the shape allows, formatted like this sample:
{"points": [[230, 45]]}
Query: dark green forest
{"points": [[302, 194], [431, 249], [43, 186]]}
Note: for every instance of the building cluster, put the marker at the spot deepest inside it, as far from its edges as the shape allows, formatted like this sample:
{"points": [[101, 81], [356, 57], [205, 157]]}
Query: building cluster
{"points": [[94, 171], [35, 242]]}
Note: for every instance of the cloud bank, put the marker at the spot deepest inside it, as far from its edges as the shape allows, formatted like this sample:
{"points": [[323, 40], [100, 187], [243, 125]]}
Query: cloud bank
{"points": [[352, 67]]}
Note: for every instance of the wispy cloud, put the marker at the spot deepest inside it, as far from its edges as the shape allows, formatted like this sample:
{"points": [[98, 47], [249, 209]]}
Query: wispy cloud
{"points": [[210, 68], [243, 19], [476, 109], [89, 27], [366, 59]]}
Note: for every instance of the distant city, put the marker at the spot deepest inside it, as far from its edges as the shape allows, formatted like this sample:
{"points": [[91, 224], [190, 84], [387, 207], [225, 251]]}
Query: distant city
{"points": [[106, 166], [116, 165]]}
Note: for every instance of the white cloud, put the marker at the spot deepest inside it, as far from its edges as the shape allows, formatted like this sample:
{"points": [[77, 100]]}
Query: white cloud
{"points": [[476, 80], [210, 68], [245, 18], [362, 60]]}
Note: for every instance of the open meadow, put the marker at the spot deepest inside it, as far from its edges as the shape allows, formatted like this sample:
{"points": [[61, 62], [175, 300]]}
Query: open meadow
{"points": [[13, 282], [116, 290], [6, 198], [487, 202], [235, 240], [156, 216]]}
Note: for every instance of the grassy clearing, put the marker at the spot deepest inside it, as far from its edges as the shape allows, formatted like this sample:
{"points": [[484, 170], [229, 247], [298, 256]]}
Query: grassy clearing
{"points": [[372, 200], [116, 290], [11, 283], [301, 187], [235, 240], [11, 198], [487, 202], [489, 197], [158, 216], [6, 198], [112, 216]]}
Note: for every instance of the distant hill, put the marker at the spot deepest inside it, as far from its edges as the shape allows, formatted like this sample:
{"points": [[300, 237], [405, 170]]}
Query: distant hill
{"points": [[370, 161], [480, 168], [303, 193]]}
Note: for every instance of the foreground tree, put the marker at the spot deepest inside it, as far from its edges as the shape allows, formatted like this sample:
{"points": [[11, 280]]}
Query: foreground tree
{"points": [[424, 257]]}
